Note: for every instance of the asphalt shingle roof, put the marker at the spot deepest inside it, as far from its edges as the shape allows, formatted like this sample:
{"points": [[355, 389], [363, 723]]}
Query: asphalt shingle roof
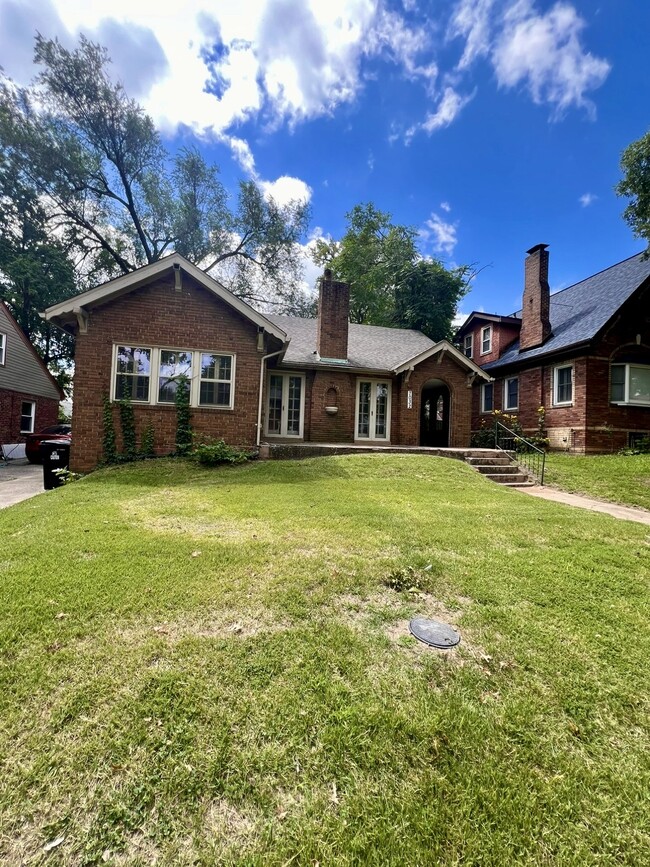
{"points": [[579, 312], [370, 347]]}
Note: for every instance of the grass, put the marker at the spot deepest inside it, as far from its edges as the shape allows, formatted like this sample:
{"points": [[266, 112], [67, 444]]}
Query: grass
{"points": [[214, 666], [619, 478]]}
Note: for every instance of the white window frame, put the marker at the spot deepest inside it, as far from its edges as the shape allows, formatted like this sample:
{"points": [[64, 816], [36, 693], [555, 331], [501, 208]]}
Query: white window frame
{"points": [[486, 337], [32, 416], [556, 377], [483, 387], [506, 406], [195, 382], [3, 348], [469, 344], [286, 376], [373, 401], [626, 388]]}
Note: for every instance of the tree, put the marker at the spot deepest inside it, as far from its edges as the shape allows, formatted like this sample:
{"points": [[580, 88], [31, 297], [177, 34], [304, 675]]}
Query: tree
{"points": [[635, 164], [391, 283], [35, 269], [115, 199]]}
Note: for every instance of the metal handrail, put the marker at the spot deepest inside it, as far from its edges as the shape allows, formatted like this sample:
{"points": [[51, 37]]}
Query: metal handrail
{"points": [[525, 453]]}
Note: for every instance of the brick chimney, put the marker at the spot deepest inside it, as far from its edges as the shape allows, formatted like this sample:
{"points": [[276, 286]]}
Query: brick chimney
{"points": [[333, 316], [535, 316]]}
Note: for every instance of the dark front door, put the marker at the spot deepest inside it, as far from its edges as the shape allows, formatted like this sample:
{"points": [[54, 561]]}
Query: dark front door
{"points": [[434, 417]]}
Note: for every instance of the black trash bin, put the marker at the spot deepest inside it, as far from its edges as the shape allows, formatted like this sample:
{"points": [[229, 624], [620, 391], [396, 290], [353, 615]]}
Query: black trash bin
{"points": [[55, 455]]}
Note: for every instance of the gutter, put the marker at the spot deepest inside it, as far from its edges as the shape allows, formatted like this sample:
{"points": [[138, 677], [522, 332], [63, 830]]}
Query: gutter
{"points": [[259, 405]]}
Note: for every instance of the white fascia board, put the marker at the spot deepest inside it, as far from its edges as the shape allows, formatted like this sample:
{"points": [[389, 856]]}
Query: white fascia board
{"points": [[129, 282], [446, 346]]}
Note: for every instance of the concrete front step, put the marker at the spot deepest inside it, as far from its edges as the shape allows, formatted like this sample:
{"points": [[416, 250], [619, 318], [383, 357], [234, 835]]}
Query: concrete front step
{"points": [[483, 461], [516, 478], [497, 469]]}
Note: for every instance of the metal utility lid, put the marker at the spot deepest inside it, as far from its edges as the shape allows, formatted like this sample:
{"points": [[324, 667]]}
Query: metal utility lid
{"points": [[434, 633]]}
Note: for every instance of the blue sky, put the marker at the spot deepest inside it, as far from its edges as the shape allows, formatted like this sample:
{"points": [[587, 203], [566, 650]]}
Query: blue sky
{"points": [[489, 125]]}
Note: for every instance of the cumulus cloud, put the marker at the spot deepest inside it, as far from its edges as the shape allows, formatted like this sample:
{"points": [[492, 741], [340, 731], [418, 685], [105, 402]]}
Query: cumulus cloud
{"points": [[439, 234], [587, 199]]}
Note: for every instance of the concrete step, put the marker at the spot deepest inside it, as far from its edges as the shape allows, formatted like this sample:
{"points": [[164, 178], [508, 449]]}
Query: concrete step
{"points": [[486, 461], [498, 470], [516, 478]]}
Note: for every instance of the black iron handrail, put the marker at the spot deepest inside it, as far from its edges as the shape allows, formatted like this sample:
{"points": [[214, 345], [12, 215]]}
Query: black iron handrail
{"points": [[521, 450]]}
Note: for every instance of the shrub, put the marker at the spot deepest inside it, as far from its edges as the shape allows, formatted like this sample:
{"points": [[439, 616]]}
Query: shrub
{"points": [[183, 416], [211, 454]]}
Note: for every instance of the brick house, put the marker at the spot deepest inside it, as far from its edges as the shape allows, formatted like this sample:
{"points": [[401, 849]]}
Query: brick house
{"points": [[254, 377], [582, 353], [29, 394]]}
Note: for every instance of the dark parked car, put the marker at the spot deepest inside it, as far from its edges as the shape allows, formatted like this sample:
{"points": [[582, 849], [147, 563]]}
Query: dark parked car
{"points": [[33, 441]]}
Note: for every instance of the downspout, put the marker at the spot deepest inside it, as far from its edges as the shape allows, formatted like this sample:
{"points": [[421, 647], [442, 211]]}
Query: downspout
{"points": [[259, 406]]}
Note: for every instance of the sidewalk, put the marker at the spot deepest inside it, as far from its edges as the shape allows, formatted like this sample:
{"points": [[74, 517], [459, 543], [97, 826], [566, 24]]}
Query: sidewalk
{"points": [[625, 513], [19, 480]]}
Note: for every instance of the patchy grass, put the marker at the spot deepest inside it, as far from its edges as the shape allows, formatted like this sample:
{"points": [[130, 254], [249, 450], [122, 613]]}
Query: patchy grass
{"points": [[213, 666], [619, 478]]}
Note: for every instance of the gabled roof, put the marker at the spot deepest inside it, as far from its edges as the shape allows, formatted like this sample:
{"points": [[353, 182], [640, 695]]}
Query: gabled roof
{"points": [[581, 311], [6, 315], [477, 315], [370, 347], [67, 312]]}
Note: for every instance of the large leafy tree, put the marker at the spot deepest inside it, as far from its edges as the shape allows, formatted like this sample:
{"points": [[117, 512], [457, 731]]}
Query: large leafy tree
{"points": [[635, 164], [391, 283], [113, 197]]}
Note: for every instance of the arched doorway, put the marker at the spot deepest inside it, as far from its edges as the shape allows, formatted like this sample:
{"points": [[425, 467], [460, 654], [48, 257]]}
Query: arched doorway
{"points": [[434, 414]]}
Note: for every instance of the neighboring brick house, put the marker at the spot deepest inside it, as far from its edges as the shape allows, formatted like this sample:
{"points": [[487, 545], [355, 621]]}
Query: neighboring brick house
{"points": [[582, 353], [253, 377], [29, 394]]}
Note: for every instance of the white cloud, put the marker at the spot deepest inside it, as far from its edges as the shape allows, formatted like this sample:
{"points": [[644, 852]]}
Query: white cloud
{"points": [[587, 199], [544, 53], [450, 106], [440, 235], [286, 189], [472, 19], [445, 206]]}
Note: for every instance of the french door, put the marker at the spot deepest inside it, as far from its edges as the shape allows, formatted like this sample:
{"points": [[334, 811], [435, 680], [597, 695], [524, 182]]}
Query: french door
{"points": [[373, 410], [285, 405]]}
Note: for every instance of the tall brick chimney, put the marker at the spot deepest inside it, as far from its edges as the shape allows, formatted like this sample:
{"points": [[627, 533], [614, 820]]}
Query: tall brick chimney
{"points": [[535, 316], [333, 316]]}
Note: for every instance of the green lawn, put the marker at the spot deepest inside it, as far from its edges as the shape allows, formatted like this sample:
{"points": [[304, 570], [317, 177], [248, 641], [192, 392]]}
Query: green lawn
{"points": [[213, 667], [620, 478]]}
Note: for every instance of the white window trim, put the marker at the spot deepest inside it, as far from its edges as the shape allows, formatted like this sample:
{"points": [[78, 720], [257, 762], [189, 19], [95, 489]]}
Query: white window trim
{"points": [[32, 403], [195, 383], [485, 411], [487, 328], [469, 344], [556, 370], [507, 408], [3, 348], [285, 376], [627, 402], [389, 409]]}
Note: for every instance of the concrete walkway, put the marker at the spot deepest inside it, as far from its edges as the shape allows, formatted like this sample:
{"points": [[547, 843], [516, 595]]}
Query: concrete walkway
{"points": [[19, 480], [625, 513]]}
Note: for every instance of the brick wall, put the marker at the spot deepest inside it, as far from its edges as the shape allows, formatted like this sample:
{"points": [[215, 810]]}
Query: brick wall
{"points": [[535, 322], [157, 315], [503, 336], [333, 317], [47, 411]]}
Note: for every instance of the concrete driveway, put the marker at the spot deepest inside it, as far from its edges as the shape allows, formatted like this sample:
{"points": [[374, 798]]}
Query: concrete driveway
{"points": [[19, 480]]}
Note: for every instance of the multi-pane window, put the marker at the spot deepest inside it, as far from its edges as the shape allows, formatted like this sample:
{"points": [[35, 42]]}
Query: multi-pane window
{"points": [[468, 345], [630, 383], [285, 402], [363, 416], [132, 373], [216, 380], [3, 347], [486, 339], [487, 397], [27, 412], [511, 393], [152, 375], [563, 384], [174, 366]]}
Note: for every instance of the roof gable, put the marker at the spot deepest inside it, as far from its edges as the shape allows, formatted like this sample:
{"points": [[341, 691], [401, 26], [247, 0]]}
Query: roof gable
{"points": [[24, 369], [73, 309]]}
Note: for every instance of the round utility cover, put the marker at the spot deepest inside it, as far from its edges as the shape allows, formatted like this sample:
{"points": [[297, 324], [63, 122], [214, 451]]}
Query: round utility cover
{"points": [[434, 633]]}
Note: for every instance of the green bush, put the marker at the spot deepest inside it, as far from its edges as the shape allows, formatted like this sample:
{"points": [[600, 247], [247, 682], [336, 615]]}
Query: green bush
{"points": [[211, 454]]}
